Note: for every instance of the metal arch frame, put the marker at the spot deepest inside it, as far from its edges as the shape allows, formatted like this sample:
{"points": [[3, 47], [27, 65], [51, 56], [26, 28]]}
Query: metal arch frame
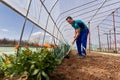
{"points": [[23, 27], [89, 39], [97, 10], [26, 18], [87, 8], [71, 10], [52, 19], [77, 11], [90, 16], [97, 17], [115, 9], [48, 20], [107, 41], [38, 21], [115, 44], [99, 38], [111, 20], [30, 20], [91, 10], [108, 15], [88, 11]]}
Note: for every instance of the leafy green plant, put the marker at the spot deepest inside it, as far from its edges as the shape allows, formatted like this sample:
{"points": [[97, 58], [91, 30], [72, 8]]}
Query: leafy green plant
{"points": [[33, 64]]}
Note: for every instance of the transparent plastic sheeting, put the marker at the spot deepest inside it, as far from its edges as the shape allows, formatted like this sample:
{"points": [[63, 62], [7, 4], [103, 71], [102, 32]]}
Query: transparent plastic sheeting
{"points": [[89, 10], [94, 11], [37, 13]]}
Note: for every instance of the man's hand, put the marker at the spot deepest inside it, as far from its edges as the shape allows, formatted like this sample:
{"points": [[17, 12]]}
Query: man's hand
{"points": [[75, 36], [77, 33], [73, 42]]}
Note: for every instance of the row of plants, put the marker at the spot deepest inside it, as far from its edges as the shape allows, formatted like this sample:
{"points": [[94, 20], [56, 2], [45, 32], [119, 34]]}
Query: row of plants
{"points": [[32, 65]]}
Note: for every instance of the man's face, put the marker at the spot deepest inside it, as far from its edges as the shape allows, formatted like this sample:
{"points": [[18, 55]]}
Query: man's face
{"points": [[70, 21]]}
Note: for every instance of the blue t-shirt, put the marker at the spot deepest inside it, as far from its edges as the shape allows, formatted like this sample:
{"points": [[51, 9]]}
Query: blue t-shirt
{"points": [[79, 24]]}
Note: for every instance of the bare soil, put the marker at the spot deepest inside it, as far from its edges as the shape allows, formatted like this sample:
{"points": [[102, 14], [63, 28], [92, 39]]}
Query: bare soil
{"points": [[95, 66]]}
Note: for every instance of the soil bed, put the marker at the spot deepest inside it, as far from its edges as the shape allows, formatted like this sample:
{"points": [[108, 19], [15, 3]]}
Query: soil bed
{"points": [[95, 66]]}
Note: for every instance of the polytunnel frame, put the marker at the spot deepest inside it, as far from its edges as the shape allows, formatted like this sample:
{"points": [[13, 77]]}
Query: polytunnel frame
{"points": [[61, 19], [30, 20], [58, 19], [38, 21], [114, 29], [85, 12], [49, 13], [26, 18], [88, 21]]}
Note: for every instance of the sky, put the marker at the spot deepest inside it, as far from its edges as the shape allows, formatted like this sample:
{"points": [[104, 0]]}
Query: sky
{"points": [[11, 23]]}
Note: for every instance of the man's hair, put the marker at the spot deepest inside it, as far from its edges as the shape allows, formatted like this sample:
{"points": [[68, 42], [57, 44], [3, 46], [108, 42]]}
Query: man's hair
{"points": [[69, 17]]}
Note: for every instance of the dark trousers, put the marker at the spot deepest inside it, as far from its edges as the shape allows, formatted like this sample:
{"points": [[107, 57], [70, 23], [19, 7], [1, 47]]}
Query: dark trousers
{"points": [[81, 42]]}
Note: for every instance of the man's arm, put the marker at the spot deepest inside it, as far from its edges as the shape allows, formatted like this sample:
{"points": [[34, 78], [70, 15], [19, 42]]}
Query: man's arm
{"points": [[77, 33]]}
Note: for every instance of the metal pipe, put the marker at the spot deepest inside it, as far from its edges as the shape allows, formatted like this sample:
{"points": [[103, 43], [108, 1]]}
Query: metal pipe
{"points": [[34, 25], [89, 11], [74, 9], [24, 24], [114, 27], [30, 20], [98, 13], [108, 41], [89, 37], [108, 15], [99, 38], [91, 16], [30, 33], [71, 10], [98, 10], [110, 38], [48, 21], [53, 20]]}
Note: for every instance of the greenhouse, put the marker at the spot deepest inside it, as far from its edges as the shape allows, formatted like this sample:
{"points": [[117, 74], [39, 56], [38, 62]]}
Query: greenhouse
{"points": [[38, 40]]}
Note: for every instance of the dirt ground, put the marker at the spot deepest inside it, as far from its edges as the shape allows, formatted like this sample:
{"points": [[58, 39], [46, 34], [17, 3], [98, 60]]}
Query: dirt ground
{"points": [[95, 66]]}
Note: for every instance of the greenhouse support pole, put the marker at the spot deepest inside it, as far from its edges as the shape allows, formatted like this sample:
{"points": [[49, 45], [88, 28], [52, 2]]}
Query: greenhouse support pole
{"points": [[48, 20], [29, 19], [114, 27], [69, 10], [24, 24], [110, 38], [99, 38], [38, 22], [108, 42], [52, 20], [89, 37], [30, 34]]}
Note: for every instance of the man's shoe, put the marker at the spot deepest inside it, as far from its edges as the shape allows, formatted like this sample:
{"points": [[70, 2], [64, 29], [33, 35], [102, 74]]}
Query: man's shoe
{"points": [[82, 56]]}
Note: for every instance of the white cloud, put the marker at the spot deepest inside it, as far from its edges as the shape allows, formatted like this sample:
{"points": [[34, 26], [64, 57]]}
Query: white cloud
{"points": [[4, 30], [39, 33], [37, 37], [36, 34]]}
